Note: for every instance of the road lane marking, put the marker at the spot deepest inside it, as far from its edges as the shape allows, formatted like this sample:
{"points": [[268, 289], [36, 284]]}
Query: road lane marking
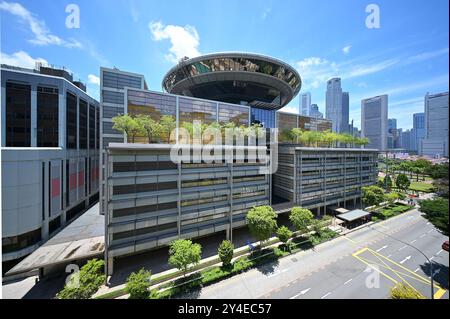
{"points": [[428, 223], [389, 255], [417, 270], [406, 259], [301, 293], [380, 249], [277, 272], [430, 231], [402, 247], [351, 240], [413, 241], [348, 281], [326, 295], [440, 251], [432, 258], [421, 236], [439, 293]]}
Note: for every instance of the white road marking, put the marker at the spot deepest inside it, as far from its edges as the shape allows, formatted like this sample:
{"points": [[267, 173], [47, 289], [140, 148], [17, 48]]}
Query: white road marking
{"points": [[277, 272], [421, 236], [301, 293], [348, 281], [389, 256], [326, 295], [403, 247], [407, 258], [430, 231], [432, 258], [440, 251], [417, 270], [414, 241], [380, 249], [428, 223]]}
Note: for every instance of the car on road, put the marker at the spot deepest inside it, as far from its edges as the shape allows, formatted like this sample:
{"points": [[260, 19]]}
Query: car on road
{"points": [[445, 245]]}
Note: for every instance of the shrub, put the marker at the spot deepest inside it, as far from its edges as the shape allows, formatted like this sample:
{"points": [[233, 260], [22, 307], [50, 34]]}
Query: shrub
{"points": [[85, 283], [137, 284], [226, 251], [403, 291], [284, 234]]}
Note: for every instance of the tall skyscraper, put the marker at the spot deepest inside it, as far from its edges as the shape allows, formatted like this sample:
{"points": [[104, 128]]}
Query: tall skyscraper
{"points": [[374, 121], [407, 140], [315, 111], [418, 130], [345, 113], [337, 106], [305, 104], [435, 143], [392, 135]]}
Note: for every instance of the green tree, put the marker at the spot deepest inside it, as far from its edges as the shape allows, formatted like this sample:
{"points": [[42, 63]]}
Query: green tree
{"points": [[388, 181], [372, 195], [183, 253], [149, 126], [392, 197], [301, 218], [86, 282], [226, 251], [168, 124], [402, 182], [436, 211], [138, 284], [128, 125], [404, 291], [284, 234], [262, 222]]}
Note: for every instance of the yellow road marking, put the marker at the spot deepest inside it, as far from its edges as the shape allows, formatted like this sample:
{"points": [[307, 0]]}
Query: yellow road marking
{"points": [[351, 240], [439, 293], [371, 266]]}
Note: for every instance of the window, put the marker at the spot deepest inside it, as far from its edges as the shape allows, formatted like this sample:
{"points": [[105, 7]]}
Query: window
{"points": [[83, 122], [97, 127], [18, 115], [15, 243], [71, 121], [47, 117], [91, 127]]}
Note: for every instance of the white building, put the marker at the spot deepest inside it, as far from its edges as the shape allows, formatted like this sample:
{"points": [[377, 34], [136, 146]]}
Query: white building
{"points": [[305, 104], [374, 121], [435, 143]]}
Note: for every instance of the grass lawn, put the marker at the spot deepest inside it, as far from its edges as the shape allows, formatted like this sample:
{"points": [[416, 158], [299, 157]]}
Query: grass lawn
{"points": [[421, 186], [392, 210]]}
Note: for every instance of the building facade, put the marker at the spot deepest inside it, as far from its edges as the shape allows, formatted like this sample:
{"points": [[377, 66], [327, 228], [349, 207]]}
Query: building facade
{"points": [[418, 130], [345, 113], [333, 103], [305, 104], [435, 143], [50, 140], [315, 111], [152, 199], [374, 121], [323, 178]]}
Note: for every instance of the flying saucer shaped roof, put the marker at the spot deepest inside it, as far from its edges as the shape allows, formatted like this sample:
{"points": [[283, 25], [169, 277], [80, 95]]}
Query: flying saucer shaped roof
{"points": [[235, 77]]}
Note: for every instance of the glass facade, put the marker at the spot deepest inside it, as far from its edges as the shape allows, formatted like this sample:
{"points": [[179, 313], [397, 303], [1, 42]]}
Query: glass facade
{"points": [[239, 115], [199, 110], [91, 126], [233, 64], [264, 117], [47, 117], [18, 115], [71, 121], [83, 123], [287, 121]]}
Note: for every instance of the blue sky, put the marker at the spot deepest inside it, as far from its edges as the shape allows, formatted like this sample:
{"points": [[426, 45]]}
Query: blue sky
{"points": [[405, 58]]}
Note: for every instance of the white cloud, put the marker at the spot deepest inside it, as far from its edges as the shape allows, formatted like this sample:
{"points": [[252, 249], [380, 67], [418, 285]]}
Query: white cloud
{"points": [[42, 35], [184, 40], [93, 79], [21, 59], [346, 49]]}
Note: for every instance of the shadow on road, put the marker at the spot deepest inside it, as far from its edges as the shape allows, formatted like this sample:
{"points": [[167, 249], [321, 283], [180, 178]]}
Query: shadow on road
{"points": [[440, 272]]}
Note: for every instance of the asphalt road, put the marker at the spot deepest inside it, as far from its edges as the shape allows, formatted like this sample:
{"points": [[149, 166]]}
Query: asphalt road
{"points": [[363, 264]]}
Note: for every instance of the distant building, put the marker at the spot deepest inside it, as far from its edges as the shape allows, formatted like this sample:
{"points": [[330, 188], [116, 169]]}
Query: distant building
{"points": [[374, 121], [315, 111], [407, 140], [305, 104], [393, 135], [335, 102], [435, 143], [418, 130], [345, 112]]}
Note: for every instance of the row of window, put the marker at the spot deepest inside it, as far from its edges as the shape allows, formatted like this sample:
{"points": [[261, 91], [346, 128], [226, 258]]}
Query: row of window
{"points": [[18, 118]]}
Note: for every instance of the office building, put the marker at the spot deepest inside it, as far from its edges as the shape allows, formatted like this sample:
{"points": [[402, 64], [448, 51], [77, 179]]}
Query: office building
{"points": [[305, 104], [418, 130], [315, 111], [337, 106], [50, 140], [407, 140], [374, 121], [435, 143], [150, 200]]}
